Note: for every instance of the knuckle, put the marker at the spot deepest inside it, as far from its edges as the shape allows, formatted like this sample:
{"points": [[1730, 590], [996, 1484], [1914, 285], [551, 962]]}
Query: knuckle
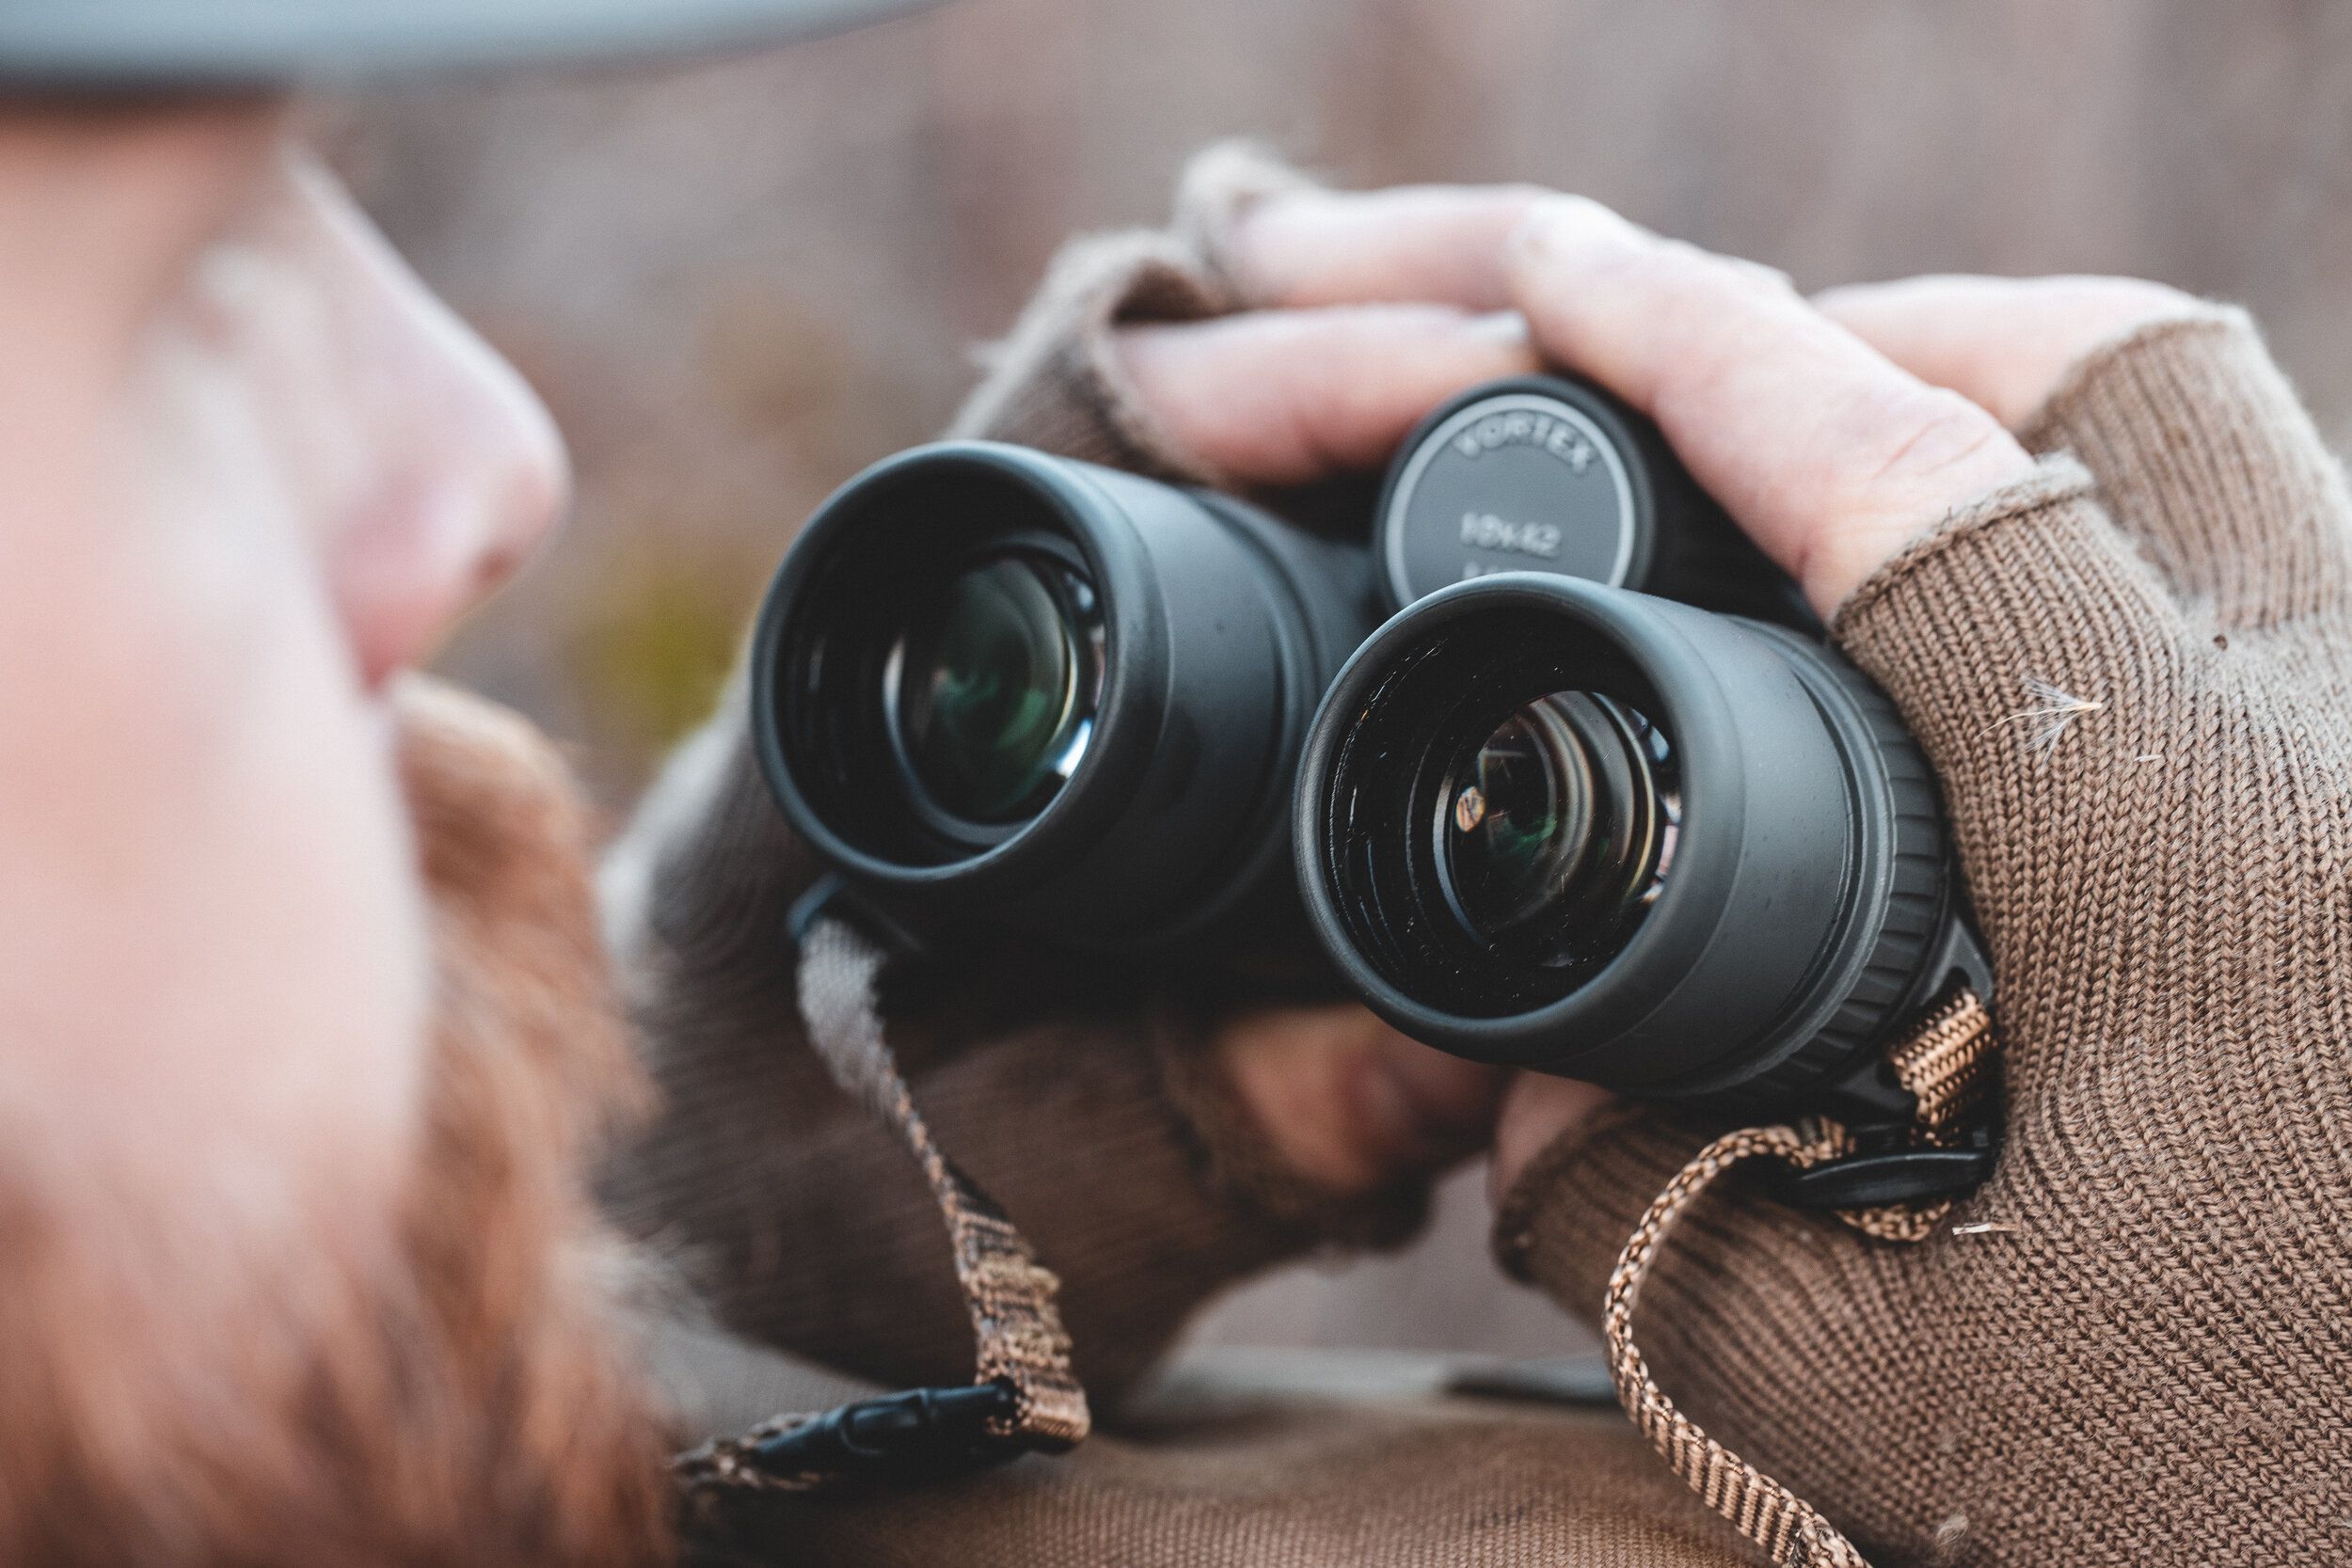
{"points": [[1576, 234], [1916, 436], [1733, 279]]}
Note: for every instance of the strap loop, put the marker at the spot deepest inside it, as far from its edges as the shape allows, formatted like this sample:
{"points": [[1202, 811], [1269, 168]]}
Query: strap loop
{"points": [[1947, 1062]]}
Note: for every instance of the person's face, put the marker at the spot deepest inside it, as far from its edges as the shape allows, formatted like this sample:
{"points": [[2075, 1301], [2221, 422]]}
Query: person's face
{"points": [[256, 471], [308, 1024]]}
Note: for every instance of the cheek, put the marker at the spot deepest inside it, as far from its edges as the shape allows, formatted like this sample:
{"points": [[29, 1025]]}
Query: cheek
{"points": [[266, 875]]}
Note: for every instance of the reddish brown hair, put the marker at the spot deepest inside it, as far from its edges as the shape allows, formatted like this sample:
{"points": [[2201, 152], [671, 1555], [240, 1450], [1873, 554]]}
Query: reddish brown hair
{"points": [[455, 1392]]}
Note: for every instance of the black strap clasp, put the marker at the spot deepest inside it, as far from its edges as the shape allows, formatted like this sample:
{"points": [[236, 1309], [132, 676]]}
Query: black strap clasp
{"points": [[1873, 1178], [923, 1434]]}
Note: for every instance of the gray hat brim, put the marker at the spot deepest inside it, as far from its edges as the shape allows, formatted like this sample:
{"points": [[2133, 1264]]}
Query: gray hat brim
{"points": [[160, 46]]}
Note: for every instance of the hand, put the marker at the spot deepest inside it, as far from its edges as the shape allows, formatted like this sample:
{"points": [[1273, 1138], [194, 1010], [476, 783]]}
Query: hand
{"points": [[2002, 344], [1827, 453], [1833, 432]]}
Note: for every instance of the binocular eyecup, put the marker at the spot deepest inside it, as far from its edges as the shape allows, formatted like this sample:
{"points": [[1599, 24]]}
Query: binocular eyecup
{"points": [[993, 681]]}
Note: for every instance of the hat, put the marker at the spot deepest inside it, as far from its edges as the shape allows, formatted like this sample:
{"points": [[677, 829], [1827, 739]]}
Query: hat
{"points": [[108, 46]]}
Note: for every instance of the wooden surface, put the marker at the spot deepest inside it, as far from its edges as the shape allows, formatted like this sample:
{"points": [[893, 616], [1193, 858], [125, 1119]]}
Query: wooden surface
{"points": [[737, 282]]}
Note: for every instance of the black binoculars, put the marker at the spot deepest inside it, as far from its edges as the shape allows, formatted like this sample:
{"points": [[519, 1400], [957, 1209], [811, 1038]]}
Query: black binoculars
{"points": [[1557, 765]]}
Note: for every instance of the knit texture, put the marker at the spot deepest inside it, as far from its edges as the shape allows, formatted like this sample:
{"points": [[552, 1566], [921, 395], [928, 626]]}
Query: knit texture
{"points": [[2134, 676]]}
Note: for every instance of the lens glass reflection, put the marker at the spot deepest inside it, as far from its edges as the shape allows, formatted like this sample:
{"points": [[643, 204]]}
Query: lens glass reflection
{"points": [[1557, 828], [994, 685]]}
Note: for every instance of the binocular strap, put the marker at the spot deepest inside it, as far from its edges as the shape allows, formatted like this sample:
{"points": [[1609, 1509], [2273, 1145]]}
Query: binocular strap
{"points": [[1023, 1396], [1947, 1062]]}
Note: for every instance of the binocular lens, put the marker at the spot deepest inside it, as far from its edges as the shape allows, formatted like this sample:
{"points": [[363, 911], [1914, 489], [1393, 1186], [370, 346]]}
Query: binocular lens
{"points": [[992, 686], [1556, 829]]}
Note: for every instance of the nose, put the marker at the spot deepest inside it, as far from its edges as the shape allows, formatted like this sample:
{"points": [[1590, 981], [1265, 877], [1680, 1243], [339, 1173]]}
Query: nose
{"points": [[460, 474]]}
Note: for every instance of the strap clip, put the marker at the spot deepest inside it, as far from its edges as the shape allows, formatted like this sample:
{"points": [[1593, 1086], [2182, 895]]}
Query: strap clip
{"points": [[1873, 1180], [922, 1434], [1919, 1124]]}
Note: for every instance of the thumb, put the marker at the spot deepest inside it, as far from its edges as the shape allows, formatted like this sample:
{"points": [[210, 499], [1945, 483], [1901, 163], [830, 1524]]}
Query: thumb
{"points": [[1536, 1110]]}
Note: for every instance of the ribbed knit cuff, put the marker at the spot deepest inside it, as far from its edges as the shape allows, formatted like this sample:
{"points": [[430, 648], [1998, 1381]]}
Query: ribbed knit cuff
{"points": [[1564, 1221], [1056, 382], [2204, 454]]}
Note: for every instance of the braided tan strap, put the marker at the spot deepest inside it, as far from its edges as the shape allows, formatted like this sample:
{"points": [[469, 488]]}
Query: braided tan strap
{"points": [[1788, 1528], [1007, 1292], [730, 1462], [1010, 1295], [1947, 1062]]}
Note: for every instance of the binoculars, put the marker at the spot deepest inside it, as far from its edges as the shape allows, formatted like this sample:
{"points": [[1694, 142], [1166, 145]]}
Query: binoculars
{"points": [[1556, 769]]}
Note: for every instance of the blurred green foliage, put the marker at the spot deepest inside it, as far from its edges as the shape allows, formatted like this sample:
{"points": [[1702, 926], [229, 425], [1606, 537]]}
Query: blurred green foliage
{"points": [[653, 644]]}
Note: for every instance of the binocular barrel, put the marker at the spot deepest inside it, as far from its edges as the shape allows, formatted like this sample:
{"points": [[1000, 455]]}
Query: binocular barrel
{"points": [[1550, 824]]}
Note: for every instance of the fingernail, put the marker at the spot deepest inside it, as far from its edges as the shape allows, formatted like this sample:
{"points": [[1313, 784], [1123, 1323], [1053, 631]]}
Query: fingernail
{"points": [[1507, 328], [1566, 225]]}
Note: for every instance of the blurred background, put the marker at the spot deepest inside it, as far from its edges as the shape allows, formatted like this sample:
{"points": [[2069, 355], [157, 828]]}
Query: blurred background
{"points": [[737, 283]]}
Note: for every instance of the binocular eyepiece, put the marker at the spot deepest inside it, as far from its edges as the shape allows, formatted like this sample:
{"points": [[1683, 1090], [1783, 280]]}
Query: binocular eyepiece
{"points": [[996, 682], [1596, 799]]}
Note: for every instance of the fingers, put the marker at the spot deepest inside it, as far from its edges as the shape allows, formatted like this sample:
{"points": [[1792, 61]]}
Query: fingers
{"points": [[2001, 342], [1286, 397], [1349, 1105], [1826, 452], [1441, 243], [2202, 452], [1536, 1109]]}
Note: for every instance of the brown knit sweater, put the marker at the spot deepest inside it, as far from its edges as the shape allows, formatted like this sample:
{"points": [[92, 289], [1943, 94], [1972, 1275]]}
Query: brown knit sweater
{"points": [[2135, 678]]}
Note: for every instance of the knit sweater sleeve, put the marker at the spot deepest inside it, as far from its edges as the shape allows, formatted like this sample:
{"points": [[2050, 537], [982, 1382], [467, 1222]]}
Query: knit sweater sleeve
{"points": [[2131, 676]]}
